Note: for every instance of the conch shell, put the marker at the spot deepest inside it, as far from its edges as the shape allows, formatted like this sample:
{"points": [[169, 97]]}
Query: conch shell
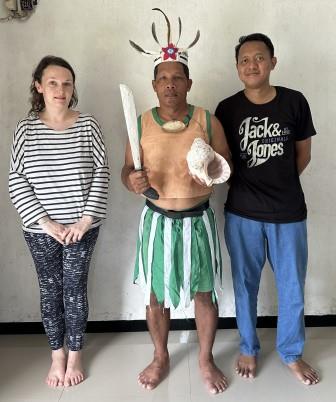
{"points": [[200, 156]]}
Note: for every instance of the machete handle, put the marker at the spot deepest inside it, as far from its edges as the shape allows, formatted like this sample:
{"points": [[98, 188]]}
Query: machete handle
{"points": [[151, 193]]}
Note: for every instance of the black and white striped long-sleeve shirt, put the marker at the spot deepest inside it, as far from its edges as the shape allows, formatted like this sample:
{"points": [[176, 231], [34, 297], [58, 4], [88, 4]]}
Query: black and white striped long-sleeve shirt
{"points": [[62, 174]]}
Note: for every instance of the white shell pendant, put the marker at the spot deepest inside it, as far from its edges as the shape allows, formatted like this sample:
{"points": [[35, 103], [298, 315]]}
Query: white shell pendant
{"points": [[173, 126]]}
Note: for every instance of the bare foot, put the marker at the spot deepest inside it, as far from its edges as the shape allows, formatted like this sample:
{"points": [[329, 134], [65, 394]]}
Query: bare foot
{"points": [[154, 373], [246, 366], [56, 373], [304, 372], [213, 378], [74, 373]]}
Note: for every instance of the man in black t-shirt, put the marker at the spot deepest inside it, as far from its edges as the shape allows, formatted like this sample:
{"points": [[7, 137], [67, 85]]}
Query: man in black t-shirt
{"points": [[269, 132]]}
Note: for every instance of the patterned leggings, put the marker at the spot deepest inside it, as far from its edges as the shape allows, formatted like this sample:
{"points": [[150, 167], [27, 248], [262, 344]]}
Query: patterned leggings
{"points": [[62, 273]]}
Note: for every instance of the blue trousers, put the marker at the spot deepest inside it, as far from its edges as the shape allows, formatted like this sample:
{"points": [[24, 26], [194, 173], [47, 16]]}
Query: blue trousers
{"points": [[249, 242]]}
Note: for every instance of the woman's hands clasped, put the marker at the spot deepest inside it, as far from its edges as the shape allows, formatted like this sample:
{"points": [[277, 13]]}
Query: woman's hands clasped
{"points": [[67, 234], [78, 229]]}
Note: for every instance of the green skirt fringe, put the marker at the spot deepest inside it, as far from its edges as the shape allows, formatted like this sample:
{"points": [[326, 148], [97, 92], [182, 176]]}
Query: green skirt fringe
{"points": [[177, 257]]}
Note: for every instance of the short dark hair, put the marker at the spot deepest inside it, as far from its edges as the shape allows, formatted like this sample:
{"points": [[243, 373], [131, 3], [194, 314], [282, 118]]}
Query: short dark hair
{"points": [[36, 100], [259, 37], [185, 69]]}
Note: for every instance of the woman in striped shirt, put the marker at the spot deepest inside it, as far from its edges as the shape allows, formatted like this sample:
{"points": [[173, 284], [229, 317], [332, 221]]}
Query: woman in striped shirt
{"points": [[58, 183]]}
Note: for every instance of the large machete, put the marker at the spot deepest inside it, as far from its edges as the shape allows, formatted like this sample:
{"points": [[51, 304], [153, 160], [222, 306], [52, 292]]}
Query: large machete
{"points": [[132, 130]]}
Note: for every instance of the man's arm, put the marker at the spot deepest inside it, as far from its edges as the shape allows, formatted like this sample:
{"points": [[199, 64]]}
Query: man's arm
{"points": [[218, 141], [219, 144], [303, 154], [133, 180]]}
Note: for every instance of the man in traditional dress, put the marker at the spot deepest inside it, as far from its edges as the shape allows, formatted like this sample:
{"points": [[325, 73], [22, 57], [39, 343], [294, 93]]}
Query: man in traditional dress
{"points": [[178, 251]]}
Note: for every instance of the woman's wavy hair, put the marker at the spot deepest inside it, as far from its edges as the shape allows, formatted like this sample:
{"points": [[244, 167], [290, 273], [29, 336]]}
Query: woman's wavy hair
{"points": [[36, 100]]}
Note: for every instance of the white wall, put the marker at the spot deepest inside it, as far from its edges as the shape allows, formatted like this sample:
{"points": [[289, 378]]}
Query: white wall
{"points": [[93, 37]]}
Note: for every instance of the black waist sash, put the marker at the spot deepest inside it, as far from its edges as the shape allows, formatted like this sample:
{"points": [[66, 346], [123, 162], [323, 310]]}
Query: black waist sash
{"points": [[188, 213]]}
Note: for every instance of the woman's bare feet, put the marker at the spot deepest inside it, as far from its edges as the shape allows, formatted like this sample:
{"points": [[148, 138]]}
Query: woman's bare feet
{"points": [[304, 372], [154, 373], [74, 372], [246, 366], [214, 380], [55, 377]]}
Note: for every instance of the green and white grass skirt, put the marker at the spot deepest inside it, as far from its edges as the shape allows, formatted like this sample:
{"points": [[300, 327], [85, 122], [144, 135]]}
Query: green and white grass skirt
{"points": [[177, 257]]}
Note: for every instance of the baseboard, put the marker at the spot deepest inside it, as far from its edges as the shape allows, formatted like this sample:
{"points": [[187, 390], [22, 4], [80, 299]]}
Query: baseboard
{"points": [[7, 328]]}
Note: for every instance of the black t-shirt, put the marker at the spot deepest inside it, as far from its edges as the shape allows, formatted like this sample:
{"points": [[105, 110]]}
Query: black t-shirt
{"points": [[265, 185]]}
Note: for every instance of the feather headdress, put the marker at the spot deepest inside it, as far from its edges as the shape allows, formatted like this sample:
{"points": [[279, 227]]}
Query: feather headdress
{"points": [[170, 52]]}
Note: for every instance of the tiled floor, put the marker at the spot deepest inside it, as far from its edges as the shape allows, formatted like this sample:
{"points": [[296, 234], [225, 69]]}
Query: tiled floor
{"points": [[113, 361]]}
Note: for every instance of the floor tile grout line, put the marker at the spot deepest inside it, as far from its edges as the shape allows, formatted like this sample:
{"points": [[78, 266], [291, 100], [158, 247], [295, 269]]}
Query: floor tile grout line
{"points": [[61, 395], [188, 347]]}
